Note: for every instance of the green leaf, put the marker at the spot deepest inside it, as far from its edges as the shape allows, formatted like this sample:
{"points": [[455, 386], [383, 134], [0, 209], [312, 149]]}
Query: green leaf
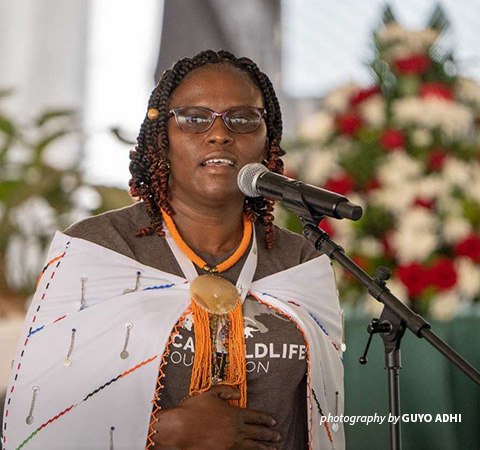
{"points": [[40, 147], [438, 21], [7, 126], [388, 15], [374, 222], [49, 115], [120, 135]]}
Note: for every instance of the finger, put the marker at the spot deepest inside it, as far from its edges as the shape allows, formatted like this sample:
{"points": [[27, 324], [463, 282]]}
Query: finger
{"points": [[255, 417], [225, 392], [264, 434]]}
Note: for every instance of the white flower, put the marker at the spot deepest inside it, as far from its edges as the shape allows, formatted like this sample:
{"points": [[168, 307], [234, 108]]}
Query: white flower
{"points": [[413, 41], [472, 188], [457, 173], [455, 228], [396, 198], [422, 137], [431, 187], [454, 119], [337, 101], [416, 236], [295, 160], [468, 277], [370, 247], [344, 233], [445, 305], [320, 166], [468, 91], [318, 127], [399, 168], [373, 111]]}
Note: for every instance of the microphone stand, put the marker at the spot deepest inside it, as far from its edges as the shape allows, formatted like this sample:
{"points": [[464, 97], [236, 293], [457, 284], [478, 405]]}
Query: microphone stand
{"points": [[396, 317]]}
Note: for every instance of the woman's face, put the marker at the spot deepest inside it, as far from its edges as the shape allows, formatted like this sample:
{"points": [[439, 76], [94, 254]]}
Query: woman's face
{"points": [[218, 88]]}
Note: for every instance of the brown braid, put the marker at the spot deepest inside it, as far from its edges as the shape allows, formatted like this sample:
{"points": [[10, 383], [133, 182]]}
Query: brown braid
{"points": [[148, 162]]}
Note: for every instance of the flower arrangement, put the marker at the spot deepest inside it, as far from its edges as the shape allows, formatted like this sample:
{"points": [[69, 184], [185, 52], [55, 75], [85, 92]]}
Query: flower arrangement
{"points": [[407, 150]]}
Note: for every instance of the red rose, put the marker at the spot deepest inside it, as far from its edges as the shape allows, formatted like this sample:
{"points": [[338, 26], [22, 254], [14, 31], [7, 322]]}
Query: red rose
{"points": [[424, 203], [341, 185], [387, 245], [372, 184], [442, 274], [363, 94], [392, 139], [348, 123], [436, 159], [413, 65], [435, 89], [469, 247], [414, 277], [326, 225]]}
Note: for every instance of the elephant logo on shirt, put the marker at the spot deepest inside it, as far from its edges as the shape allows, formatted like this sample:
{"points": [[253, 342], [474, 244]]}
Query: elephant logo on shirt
{"points": [[253, 326]]}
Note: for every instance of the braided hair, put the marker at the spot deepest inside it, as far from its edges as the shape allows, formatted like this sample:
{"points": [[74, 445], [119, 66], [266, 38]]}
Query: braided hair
{"points": [[149, 165]]}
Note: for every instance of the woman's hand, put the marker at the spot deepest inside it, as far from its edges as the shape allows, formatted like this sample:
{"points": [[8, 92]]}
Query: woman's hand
{"points": [[208, 422]]}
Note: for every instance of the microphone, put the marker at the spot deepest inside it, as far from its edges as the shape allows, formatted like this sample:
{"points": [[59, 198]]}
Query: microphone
{"points": [[255, 180]]}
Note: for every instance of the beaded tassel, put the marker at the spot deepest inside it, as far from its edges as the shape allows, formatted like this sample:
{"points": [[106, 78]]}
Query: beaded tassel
{"points": [[235, 371]]}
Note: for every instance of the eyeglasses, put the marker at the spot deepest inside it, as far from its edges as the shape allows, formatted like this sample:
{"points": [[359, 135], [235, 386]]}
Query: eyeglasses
{"points": [[198, 119]]}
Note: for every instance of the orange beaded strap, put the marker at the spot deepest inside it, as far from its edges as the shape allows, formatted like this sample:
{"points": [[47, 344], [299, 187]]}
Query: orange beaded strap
{"points": [[225, 265], [205, 326]]}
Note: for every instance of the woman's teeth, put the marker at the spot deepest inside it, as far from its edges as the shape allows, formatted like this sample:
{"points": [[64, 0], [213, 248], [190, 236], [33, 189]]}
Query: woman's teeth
{"points": [[219, 162]]}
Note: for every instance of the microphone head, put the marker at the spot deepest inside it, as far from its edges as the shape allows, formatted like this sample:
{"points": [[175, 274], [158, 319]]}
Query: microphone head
{"points": [[247, 178]]}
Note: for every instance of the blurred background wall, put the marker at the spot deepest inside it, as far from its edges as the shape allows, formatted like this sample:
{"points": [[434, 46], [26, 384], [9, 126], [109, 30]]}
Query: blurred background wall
{"points": [[75, 76]]}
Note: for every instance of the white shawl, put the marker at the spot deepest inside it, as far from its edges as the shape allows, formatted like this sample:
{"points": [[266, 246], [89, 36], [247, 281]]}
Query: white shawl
{"points": [[102, 401]]}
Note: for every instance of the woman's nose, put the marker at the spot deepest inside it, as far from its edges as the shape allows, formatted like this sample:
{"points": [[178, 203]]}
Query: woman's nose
{"points": [[219, 133]]}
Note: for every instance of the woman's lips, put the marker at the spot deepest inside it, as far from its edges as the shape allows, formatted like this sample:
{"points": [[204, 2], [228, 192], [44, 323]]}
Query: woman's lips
{"points": [[221, 162]]}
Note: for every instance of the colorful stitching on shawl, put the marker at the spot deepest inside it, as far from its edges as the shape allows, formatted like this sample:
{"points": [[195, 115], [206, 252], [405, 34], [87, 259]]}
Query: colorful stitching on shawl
{"points": [[321, 413], [326, 332], [108, 383], [119, 377], [44, 425], [319, 324], [124, 374], [162, 286], [59, 260], [309, 378], [161, 375], [34, 331]]}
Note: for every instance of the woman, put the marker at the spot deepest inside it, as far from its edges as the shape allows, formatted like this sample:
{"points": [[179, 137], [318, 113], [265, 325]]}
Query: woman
{"points": [[248, 363]]}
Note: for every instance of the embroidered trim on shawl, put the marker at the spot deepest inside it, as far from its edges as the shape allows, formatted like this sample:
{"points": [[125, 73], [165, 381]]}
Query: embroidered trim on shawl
{"points": [[161, 375], [309, 378], [57, 259]]}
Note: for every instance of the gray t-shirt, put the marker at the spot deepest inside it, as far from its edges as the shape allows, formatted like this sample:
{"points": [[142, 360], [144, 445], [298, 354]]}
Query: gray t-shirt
{"points": [[275, 348]]}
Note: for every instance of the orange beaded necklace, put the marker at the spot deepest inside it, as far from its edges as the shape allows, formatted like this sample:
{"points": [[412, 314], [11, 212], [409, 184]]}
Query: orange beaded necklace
{"points": [[225, 265], [206, 320]]}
